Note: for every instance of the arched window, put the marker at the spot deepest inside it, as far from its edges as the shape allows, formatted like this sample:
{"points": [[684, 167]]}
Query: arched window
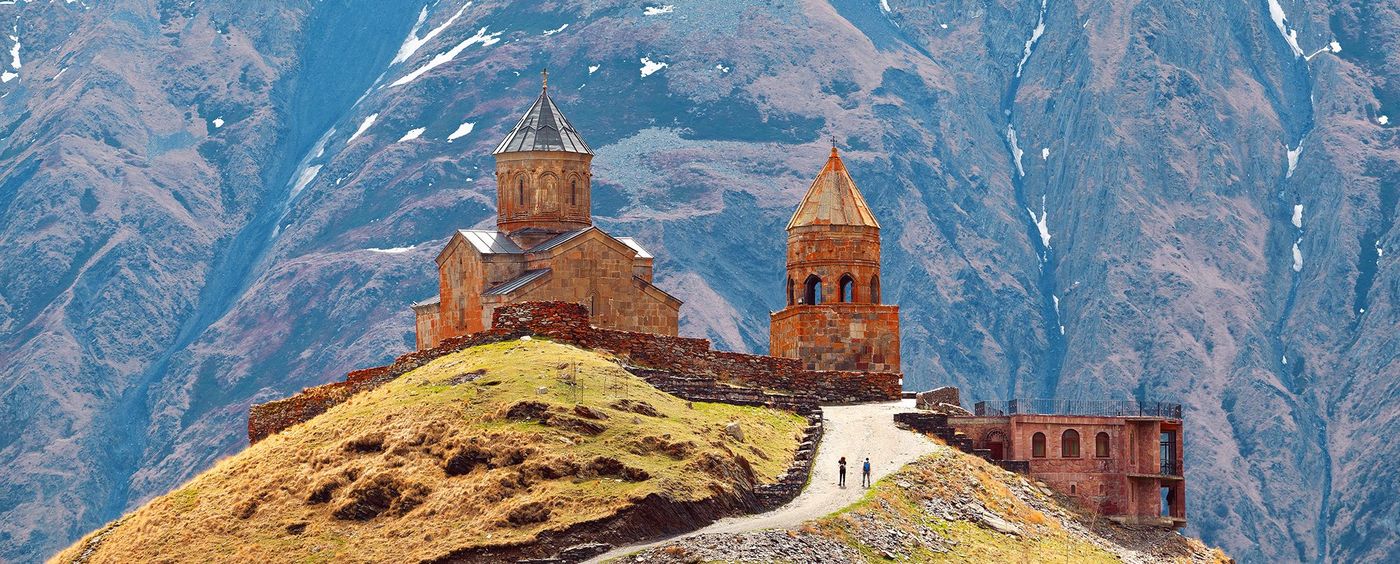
{"points": [[1101, 445], [1038, 445], [520, 189], [812, 290], [848, 289], [573, 192], [792, 292], [875, 289], [1069, 444]]}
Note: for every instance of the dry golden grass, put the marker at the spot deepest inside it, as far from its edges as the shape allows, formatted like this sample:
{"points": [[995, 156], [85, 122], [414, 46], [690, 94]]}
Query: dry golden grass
{"points": [[369, 480], [899, 501]]}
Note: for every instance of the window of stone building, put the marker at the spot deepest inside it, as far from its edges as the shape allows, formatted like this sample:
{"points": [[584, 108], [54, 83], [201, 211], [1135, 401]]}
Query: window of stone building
{"points": [[875, 289], [573, 192], [848, 289], [1069, 444], [1038, 445], [812, 290], [1101, 445], [520, 189], [792, 292]]}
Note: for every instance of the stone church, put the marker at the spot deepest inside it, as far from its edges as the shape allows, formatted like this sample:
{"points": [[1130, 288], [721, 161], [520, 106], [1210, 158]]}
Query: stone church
{"points": [[545, 246], [834, 319]]}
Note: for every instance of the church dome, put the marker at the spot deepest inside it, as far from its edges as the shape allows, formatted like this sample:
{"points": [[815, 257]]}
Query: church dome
{"points": [[543, 128]]}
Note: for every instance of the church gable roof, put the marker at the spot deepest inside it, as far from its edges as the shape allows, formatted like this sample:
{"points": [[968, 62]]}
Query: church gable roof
{"points": [[509, 286], [490, 242], [543, 128], [833, 199]]}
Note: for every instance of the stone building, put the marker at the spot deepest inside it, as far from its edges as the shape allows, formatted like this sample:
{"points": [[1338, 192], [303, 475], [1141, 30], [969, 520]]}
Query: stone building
{"points": [[834, 319], [1123, 462], [545, 246]]}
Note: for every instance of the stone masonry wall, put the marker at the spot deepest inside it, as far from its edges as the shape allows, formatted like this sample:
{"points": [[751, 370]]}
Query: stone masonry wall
{"points": [[567, 322], [839, 336]]}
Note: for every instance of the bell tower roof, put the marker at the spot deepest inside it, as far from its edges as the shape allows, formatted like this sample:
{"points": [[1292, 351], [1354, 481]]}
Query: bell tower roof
{"points": [[833, 199], [543, 128]]}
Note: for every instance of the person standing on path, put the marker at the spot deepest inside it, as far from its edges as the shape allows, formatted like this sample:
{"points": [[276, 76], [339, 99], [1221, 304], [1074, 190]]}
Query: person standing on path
{"points": [[841, 482], [865, 474]]}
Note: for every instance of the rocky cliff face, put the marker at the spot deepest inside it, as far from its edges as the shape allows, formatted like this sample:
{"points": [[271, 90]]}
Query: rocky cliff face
{"points": [[208, 204]]}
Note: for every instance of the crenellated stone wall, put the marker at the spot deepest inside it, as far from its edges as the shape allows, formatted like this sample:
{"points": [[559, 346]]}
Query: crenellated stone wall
{"points": [[568, 322]]}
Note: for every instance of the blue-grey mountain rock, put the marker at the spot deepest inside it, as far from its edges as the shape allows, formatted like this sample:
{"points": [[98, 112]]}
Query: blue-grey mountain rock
{"points": [[209, 204]]}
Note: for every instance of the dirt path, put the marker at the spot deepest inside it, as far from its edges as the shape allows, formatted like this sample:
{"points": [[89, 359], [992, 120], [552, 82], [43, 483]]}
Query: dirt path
{"points": [[852, 431]]}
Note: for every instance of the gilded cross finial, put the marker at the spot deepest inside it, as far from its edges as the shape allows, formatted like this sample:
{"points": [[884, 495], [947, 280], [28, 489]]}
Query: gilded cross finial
{"points": [[833, 145], [544, 79]]}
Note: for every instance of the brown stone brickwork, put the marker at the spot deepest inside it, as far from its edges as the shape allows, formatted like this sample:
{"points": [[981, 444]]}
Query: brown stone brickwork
{"points": [[839, 336], [834, 319], [569, 323]]}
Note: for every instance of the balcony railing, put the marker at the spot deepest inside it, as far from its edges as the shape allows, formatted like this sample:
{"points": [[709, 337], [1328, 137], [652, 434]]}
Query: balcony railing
{"points": [[1170, 468], [1102, 408]]}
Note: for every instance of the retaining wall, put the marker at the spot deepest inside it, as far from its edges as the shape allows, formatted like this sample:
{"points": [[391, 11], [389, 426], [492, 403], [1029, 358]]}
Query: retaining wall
{"points": [[569, 323]]}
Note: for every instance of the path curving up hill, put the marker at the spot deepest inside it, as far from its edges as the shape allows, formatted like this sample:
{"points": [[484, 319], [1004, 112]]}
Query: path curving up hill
{"points": [[852, 431]]}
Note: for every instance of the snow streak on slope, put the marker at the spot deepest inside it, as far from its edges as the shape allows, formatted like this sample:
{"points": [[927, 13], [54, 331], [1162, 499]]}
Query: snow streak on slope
{"points": [[1281, 22], [483, 37], [364, 125], [1035, 36], [412, 43]]}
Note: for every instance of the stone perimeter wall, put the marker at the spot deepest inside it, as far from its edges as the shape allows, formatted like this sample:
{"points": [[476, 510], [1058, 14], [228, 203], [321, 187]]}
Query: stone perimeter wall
{"points": [[567, 322]]}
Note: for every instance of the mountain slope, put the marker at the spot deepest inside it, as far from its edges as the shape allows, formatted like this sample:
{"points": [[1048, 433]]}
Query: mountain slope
{"points": [[463, 455], [1079, 199]]}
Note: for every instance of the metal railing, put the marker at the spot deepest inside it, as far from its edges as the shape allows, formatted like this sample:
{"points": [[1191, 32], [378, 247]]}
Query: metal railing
{"points": [[1103, 408], [1170, 468]]}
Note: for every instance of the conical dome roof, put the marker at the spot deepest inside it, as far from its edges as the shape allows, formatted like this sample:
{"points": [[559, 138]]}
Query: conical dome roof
{"points": [[833, 199], [543, 128]]}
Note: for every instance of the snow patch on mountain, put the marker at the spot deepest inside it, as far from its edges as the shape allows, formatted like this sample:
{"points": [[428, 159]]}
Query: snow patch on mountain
{"points": [[1293, 155], [218, 121], [1281, 22], [1298, 215], [485, 38], [649, 66], [307, 175], [412, 134], [412, 43], [364, 125], [1042, 223], [549, 32], [658, 10], [593, 68], [461, 131], [1297, 256], [14, 52], [1016, 151], [1035, 36]]}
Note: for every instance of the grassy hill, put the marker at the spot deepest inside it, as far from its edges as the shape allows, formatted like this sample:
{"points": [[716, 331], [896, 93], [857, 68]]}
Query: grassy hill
{"points": [[946, 507], [489, 447]]}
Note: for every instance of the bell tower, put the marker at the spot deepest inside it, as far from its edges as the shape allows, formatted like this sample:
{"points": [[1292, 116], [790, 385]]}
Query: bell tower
{"points": [[543, 175], [834, 319]]}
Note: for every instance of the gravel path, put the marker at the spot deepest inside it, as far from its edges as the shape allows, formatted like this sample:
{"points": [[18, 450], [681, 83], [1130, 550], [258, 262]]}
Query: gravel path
{"points": [[852, 431]]}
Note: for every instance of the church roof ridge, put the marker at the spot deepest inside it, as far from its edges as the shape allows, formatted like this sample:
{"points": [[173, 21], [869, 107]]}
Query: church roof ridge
{"points": [[833, 199], [543, 128]]}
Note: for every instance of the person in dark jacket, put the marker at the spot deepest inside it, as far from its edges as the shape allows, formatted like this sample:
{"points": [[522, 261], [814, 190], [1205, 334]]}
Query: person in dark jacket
{"points": [[842, 480], [865, 474]]}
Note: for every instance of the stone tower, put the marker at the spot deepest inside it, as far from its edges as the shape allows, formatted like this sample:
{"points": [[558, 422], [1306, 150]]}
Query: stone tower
{"points": [[543, 174], [834, 319]]}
